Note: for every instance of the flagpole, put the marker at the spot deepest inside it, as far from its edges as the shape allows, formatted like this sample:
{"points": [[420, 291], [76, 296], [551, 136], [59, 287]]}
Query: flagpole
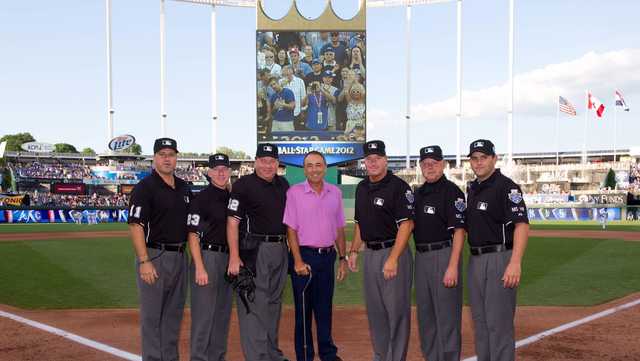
{"points": [[557, 132], [584, 140], [615, 129]]}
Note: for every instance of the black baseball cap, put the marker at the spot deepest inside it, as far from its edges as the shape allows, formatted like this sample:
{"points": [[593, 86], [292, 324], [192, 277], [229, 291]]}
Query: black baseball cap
{"points": [[267, 150], [374, 147], [162, 143], [483, 146], [431, 151], [219, 159]]}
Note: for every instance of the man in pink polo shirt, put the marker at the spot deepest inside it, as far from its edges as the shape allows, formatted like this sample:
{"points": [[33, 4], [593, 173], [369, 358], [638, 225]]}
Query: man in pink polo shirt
{"points": [[315, 223]]}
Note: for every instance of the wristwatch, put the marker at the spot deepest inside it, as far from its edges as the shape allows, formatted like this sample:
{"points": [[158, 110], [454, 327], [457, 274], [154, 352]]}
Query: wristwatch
{"points": [[343, 258]]}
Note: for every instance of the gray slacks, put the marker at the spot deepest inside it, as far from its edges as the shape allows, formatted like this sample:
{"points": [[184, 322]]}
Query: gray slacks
{"points": [[439, 307], [493, 307], [259, 329], [388, 304], [162, 306], [211, 309]]}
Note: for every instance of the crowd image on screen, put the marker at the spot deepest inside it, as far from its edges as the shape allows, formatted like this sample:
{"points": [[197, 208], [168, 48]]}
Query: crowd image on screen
{"points": [[43, 199], [311, 81], [51, 170]]}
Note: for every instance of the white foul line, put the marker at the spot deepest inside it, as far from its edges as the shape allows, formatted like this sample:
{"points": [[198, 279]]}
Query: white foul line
{"points": [[73, 337], [566, 326]]}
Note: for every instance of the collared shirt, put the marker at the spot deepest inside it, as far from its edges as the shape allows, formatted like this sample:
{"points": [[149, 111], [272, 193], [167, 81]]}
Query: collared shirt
{"points": [[208, 215], [439, 209], [260, 203], [494, 206], [315, 217], [296, 85], [160, 209], [382, 206]]}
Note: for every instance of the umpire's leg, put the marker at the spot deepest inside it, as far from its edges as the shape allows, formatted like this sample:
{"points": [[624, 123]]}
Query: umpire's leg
{"points": [[397, 302], [373, 295], [500, 309]]}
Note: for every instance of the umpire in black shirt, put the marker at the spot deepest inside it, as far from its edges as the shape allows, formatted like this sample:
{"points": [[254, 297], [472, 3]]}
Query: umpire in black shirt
{"points": [[157, 214], [259, 199], [384, 221], [211, 294], [498, 229], [439, 236]]}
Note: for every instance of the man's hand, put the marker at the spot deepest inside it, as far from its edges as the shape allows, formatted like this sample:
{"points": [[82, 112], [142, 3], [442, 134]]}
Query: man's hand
{"points": [[342, 270], [390, 268], [202, 278], [511, 276], [234, 265], [450, 277], [353, 261], [301, 268], [148, 272]]}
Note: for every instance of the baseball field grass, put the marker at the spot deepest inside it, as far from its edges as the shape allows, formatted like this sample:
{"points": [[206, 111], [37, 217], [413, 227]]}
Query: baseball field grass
{"points": [[99, 272]]}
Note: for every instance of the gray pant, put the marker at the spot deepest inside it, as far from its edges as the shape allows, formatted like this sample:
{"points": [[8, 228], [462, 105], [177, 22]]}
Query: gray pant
{"points": [[259, 329], [162, 306], [388, 304], [439, 307], [493, 307], [211, 309]]}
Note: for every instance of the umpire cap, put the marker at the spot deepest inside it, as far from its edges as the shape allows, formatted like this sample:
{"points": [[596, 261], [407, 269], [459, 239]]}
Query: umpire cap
{"points": [[267, 150], [483, 146], [431, 151], [219, 159], [162, 143], [374, 147]]}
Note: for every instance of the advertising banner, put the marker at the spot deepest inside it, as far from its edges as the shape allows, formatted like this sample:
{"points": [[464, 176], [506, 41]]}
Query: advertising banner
{"points": [[90, 216], [572, 214]]}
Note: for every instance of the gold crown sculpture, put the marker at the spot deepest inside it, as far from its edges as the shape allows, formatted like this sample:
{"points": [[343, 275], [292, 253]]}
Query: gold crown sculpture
{"points": [[327, 21]]}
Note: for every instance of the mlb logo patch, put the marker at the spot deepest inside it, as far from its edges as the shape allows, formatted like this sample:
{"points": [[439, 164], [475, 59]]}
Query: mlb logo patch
{"points": [[186, 199], [429, 150], [373, 146], [479, 144], [166, 142], [219, 157], [429, 210], [268, 148], [378, 202], [483, 206]]}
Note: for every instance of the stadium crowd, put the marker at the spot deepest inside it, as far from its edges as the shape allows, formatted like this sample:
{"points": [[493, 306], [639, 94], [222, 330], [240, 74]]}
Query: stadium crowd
{"points": [[51, 170], [41, 199], [322, 72]]}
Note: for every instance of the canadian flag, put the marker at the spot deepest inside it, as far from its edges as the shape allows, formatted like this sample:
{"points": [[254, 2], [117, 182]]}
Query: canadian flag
{"points": [[595, 104]]}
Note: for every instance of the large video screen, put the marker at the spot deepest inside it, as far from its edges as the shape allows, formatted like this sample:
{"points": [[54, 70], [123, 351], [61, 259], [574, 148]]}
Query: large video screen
{"points": [[311, 88]]}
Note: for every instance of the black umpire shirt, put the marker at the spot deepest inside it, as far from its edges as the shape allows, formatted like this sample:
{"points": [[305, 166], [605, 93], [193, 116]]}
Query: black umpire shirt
{"points": [[160, 209], [260, 203], [381, 207], [208, 215], [493, 208], [439, 209]]}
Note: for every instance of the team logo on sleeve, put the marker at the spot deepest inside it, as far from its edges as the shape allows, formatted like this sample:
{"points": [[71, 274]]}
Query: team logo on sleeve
{"points": [[429, 210], [378, 201], [186, 199], [483, 206], [409, 195], [515, 196], [460, 204]]}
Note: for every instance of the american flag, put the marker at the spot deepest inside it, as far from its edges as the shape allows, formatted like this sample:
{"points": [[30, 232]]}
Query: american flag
{"points": [[566, 107]]}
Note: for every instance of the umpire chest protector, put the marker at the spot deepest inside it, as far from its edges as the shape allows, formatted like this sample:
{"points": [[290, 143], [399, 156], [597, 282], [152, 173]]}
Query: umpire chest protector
{"points": [[494, 206], [439, 209], [382, 206], [160, 209]]}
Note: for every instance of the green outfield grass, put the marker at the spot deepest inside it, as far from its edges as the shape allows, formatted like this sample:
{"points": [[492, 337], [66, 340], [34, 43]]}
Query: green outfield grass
{"points": [[632, 226], [99, 273]]}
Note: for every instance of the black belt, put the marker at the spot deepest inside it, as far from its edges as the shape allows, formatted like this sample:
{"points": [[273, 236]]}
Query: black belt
{"points": [[171, 247], [428, 247], [476, 251], [269, 237], [319, 250], [381, 245], [215, 247]]}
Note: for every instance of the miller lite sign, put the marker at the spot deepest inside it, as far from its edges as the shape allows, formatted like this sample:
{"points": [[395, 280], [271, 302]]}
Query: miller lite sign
{"points": [[122, 142]]}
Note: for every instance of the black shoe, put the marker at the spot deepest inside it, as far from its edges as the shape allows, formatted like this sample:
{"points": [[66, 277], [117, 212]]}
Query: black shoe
{"points": [[337, 358]]}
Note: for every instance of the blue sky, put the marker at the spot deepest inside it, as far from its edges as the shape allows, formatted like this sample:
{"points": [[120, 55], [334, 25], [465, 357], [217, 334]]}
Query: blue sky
{"points": [[53, 72]]}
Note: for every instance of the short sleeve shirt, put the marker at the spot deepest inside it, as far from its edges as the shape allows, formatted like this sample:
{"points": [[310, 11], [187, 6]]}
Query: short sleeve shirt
{"points": [[440, 207], [283, 114], [494, 206], [382, 206], [260, 203], [208, 215], [160, 209]]}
